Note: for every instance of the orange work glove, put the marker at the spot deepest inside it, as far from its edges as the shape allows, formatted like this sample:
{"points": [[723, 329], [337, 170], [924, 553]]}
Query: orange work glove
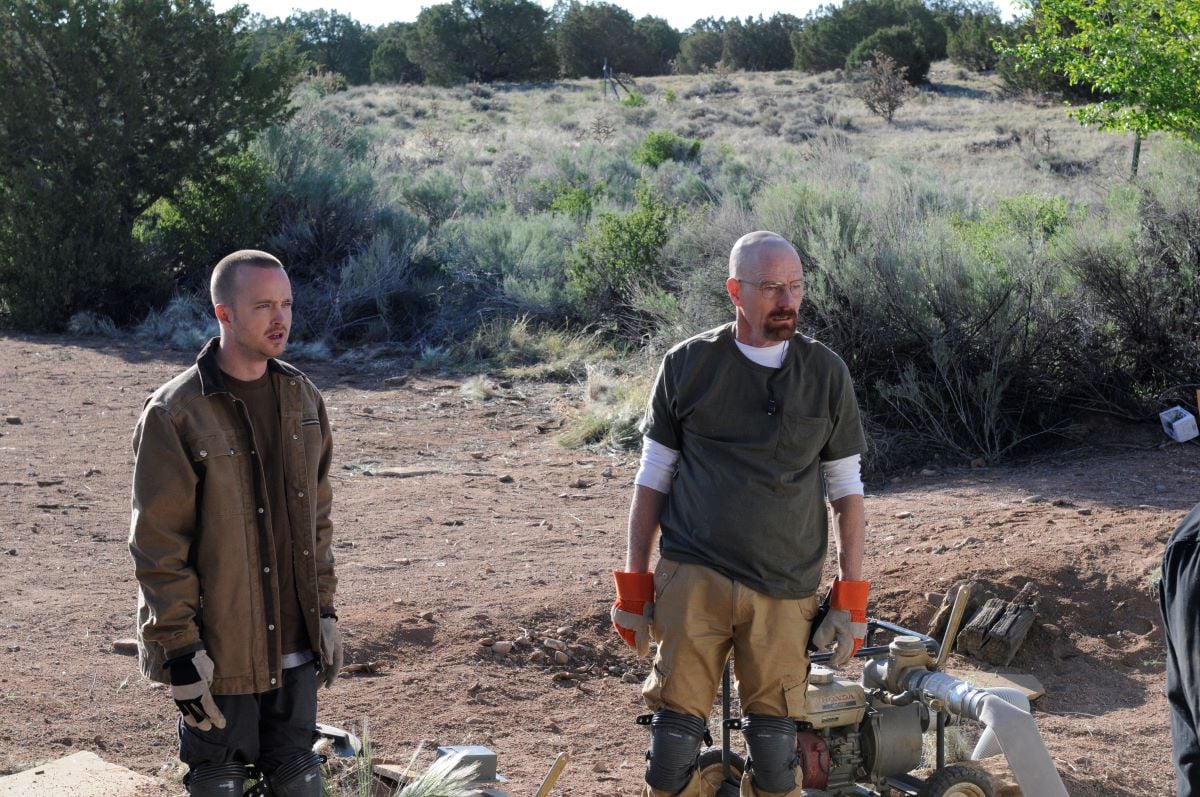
{"points": [[845, 625], [633, 609]]}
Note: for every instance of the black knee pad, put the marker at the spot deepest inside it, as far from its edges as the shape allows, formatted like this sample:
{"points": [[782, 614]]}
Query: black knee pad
{"points": [[771, 742], [216, 780], [674, 747], [300, 777]]}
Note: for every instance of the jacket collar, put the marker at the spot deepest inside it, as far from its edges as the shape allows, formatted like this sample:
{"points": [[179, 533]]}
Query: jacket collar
{"points": [[211, 380]]}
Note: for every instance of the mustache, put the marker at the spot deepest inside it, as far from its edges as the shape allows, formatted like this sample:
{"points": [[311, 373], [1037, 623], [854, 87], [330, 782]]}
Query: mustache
{"points": [[782, 315]]}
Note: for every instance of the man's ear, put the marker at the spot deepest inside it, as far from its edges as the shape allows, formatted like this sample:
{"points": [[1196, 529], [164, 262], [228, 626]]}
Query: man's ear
{"points": [[222, 313], [733, 287]]}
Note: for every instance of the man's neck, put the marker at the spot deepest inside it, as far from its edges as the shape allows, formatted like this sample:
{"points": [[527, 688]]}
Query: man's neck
{"points": [[234, 363]]}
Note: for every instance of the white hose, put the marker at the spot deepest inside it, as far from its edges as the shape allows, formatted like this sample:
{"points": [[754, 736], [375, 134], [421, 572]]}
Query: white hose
{"points": [[1023, 747], [989, 745]]}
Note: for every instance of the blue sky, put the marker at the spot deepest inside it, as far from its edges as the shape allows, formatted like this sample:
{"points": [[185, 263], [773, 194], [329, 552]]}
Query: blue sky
{"points": [[680, 13]]}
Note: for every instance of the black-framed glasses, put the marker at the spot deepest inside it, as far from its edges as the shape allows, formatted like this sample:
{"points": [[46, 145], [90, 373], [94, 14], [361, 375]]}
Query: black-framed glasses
{"points": [[773, 290]]}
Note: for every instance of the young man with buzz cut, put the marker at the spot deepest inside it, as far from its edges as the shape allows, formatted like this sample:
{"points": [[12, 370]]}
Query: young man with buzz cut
{"points": [[231, 542], [750, 429]]}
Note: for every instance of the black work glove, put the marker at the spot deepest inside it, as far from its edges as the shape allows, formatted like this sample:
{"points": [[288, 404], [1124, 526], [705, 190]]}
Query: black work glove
{"points": [[191, 682]]}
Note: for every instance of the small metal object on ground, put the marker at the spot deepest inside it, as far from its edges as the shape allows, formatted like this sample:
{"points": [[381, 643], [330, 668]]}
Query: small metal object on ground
{"points": [[343, 743], [560, 764], [484, 758]]}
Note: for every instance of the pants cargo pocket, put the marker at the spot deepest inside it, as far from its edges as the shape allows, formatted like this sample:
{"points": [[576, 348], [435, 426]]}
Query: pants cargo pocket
{"points": [[795, 694]]}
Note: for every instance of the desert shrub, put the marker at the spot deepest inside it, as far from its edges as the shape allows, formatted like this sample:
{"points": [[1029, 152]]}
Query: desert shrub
{"points": [[612, 409], [502, 264], [900, 44], [633, 100], [186, 322], [331, 219], [618, 253], [682, 185], [437, 195], [92, 325], [882, 86], [1139, 267], [660, 146], [980, 340], [522, 348], [576, 201]]}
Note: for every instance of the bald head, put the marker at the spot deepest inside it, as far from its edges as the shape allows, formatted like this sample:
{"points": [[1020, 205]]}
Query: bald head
{"points": [[754, 250]]}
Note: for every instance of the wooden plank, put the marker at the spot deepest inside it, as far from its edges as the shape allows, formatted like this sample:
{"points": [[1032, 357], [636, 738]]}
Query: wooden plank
{"points": [[1027, 683]]}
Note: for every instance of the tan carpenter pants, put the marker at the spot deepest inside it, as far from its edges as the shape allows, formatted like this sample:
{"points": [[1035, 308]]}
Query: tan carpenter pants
{"points": [[699, 617]]}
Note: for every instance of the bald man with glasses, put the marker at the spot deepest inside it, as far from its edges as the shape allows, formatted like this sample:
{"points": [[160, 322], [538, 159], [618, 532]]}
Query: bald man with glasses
{"points": [[750, 430]]}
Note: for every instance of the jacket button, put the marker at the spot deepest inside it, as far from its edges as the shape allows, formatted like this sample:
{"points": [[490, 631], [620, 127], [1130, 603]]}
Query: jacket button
{"points": [[306, 553], [203, 452], [295, 437], [271, 627], [292, 382], [300, 493], [312, 611], [260, 510], [266, 570], [272, 680], [232, 452]]}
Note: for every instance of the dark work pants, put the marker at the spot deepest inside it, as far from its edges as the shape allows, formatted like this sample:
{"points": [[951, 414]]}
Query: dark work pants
{"points": [[1179, 597], [267, 729]]}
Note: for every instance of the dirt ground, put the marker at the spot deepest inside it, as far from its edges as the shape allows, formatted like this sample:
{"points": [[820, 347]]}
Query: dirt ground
{"points": [[486, 527]]}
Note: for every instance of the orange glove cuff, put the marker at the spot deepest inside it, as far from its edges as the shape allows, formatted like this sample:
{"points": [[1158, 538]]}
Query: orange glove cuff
{"points": [[634, 586], [851, 596]]}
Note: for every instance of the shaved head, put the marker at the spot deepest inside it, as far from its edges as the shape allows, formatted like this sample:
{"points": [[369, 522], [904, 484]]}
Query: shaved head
{"points": [[223, 283], [754, 249]]}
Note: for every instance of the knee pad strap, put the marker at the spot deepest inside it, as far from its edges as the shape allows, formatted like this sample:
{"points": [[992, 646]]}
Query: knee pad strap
{"points": [[299, 777], [772, 745], [674, 746], [217, 780]]}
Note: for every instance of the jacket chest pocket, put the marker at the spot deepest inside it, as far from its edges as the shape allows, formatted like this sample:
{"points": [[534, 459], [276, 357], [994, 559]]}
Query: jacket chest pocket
{"points": [[222, 461]]}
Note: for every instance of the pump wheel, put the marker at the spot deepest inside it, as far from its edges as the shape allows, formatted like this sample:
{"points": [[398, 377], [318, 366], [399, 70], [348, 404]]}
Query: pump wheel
{"points": [[957, 781], [712, 771]]}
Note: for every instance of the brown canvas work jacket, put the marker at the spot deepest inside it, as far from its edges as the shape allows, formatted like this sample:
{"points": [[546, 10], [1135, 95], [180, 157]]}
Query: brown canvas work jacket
{"points": [[202, 547]]}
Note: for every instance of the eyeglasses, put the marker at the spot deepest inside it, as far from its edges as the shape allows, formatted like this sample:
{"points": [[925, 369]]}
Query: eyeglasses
{"points": [[773, 290]]}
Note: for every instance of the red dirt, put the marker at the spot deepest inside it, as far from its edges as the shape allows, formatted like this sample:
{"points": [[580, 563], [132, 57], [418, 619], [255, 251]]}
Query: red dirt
{"points": [[509, 532]]}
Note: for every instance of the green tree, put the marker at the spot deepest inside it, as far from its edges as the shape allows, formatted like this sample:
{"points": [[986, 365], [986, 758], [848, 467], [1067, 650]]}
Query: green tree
{"points": [[971, 43], [333, 42], [590, 34], [108, 106], [390, 62], [481, 40], [760, 45], [660, 42], [702, 46], [1141, 55], [829, 33], [901, 45]]}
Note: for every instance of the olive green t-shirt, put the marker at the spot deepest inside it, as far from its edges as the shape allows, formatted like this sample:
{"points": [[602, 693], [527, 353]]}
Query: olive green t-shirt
{"points": [[748, 498], [263, 406]]}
